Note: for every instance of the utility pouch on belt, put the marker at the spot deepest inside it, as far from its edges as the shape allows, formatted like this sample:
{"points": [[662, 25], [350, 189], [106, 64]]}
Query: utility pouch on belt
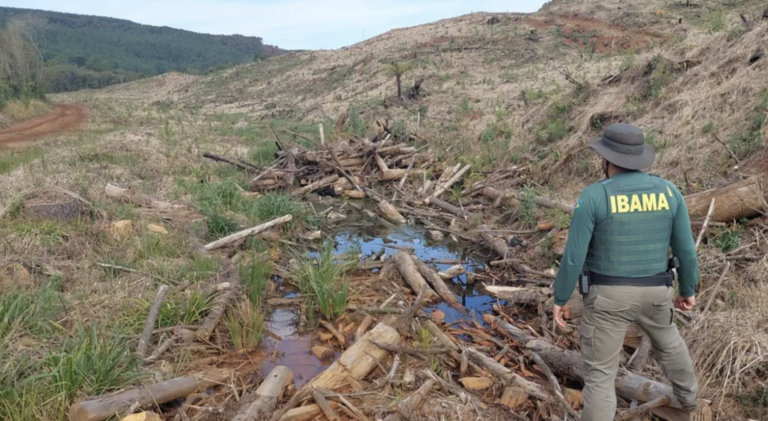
{"points": [[584, 282]]}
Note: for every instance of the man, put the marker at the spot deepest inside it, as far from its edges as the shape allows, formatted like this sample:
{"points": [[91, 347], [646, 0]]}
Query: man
{"points": [[621, 233]]}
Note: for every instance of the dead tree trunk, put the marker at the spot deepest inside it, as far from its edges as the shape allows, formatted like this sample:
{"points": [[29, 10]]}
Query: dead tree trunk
{"points": [[744, 199]]}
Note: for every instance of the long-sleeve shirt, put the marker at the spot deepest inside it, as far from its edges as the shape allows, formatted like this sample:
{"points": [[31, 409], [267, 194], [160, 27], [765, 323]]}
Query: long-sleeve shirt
{"points": [[592, 209]]}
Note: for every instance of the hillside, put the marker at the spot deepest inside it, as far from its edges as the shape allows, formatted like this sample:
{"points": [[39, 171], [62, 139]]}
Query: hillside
{"points": [[100, 224], [92, 52]]}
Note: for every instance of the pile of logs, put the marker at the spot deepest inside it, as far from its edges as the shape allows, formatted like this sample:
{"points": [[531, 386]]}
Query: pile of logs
{"points": [[347, 168]]}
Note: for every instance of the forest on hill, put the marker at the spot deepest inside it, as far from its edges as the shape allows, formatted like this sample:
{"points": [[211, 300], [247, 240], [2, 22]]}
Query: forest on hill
{"points": [[90, 52]]}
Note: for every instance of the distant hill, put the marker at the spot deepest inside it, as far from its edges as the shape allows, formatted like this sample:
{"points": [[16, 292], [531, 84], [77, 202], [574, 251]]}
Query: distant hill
{"points": [[92, 52]]}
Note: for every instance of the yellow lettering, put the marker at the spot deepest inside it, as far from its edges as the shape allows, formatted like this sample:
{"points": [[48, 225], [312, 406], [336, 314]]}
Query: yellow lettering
{"points": [[649, 202], [663, 202], [613, 204], [669, 191], [636, 207], [623, 202]]}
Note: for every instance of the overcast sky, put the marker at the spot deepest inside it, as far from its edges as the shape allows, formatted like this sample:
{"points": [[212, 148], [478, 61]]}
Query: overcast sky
{"points": [[291, 24]]}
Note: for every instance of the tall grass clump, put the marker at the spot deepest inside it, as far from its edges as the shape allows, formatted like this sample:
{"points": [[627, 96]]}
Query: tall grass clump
{"points": [[324, 280], [245, 324], [254, 278], [275, 205], [91, 363], [184, 311], [23, 311]]}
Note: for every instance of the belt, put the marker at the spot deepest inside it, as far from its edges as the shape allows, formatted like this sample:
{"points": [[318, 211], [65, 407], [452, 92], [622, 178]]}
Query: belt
{"points": [[661, 279]]}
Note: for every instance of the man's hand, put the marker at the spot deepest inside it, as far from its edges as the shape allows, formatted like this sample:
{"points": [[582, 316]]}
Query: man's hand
{"points": [[685, 303], [560, 313]]}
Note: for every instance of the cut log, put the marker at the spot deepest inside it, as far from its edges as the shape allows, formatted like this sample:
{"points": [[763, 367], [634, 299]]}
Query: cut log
{"points": [[354, 194], [267, 395], [441, 337], [517, 295], [407, 408], [442, 187], [629, 386], [743, 199], [390, 213], [129, 196], [104, 407], [452, 272], [325, 182], [447, 207], [411, 274], [438, 284], [358, 360], [232, 238], [507, 376], [149, 326]]}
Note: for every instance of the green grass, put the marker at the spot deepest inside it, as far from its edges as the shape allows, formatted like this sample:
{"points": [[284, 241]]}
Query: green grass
{"points": [[50, 233], [245, 325], [755, 401], [184, 310], [28, 311], [324, 281], [275, 205], [528, 207], [11, 160], [254, 278], [91, 362], [356, 126]]}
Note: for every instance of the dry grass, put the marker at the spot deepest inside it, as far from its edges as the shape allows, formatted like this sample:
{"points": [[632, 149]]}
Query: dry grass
{"points": [[730, 346], [17, 110]]}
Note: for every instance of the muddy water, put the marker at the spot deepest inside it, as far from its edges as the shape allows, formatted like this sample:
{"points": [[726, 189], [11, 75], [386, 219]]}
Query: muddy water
{"points": [[284, 346]]}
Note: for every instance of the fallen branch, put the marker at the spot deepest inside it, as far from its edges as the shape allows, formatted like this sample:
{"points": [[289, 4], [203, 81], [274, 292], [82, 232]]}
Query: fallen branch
{"points": [[149, 326], [128, 196], [555, 386], [642, 409], [324, 406], [232, 238], [390, 213], [408, 407], [220, 304], [441, 188], [447, 207], [713, 295], [416, 352], [706, 223], [300, 395], [728, 148], [507, 376], [339, 337], [101, 408], [241, 165]]}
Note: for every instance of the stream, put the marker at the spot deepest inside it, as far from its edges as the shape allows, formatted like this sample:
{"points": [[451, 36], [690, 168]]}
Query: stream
{"points": [[354, 232]]}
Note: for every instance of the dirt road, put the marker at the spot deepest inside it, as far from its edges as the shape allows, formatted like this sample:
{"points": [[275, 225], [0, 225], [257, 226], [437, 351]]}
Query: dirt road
{"points": [[61, 118]]}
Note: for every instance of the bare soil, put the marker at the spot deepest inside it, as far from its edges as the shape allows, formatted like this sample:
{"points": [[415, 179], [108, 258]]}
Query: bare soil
{"points": [[62, 118]]}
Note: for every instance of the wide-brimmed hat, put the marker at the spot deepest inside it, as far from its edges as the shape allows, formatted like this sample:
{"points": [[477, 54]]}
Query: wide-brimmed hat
{"points": [[624, 145]]}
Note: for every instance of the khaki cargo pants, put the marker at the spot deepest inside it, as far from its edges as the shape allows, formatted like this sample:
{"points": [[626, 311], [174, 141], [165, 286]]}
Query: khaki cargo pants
{"points": [[608, 312]]}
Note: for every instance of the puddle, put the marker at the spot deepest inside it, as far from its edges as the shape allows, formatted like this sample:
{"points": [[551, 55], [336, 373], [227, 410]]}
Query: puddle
{"points": [[294, 350], [291, 350]]}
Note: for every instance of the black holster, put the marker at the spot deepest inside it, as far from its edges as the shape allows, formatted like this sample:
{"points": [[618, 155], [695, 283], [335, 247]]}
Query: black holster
{"points": [[584, 282]]}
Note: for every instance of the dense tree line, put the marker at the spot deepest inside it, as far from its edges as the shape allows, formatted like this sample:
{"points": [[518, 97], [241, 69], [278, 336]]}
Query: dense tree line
{"points": [[21, 66], [92, 52]]}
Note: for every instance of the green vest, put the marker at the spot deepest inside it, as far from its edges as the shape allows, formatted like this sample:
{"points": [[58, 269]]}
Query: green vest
{"points": [[634, 240]]}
